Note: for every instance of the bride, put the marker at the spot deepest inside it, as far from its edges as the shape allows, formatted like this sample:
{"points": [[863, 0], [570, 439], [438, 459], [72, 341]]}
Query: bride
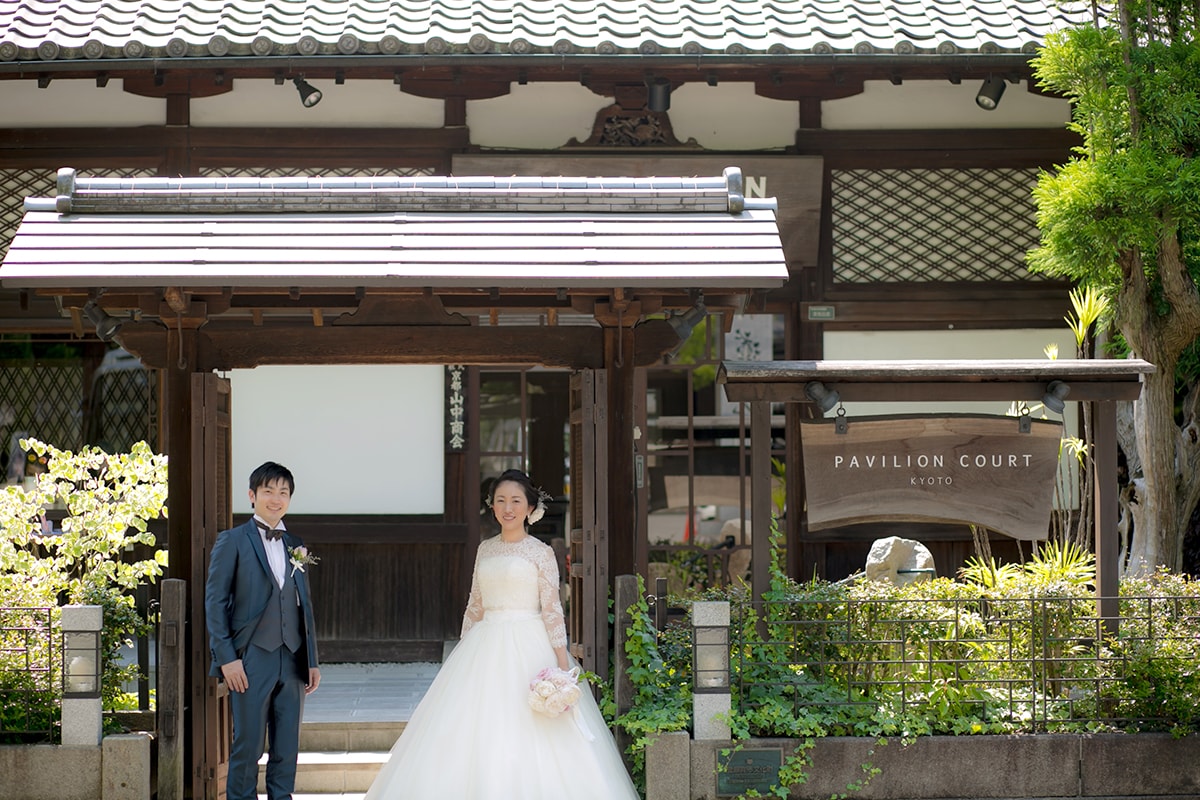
{"points": [[474, 735]]}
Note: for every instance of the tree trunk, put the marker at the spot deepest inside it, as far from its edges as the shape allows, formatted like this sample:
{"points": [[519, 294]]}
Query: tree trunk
{"points": [[1163, 450], [1154, 422]]}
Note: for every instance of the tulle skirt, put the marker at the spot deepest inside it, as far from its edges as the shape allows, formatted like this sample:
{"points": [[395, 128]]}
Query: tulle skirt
{"points": [[474, 736]]}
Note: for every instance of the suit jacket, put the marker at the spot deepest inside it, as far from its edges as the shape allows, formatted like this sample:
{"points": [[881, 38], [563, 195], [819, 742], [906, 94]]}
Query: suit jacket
{"points": [[237, 592]]}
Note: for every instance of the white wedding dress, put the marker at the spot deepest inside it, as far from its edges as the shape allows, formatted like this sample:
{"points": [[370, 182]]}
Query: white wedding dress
{"points": [[474, 736]]}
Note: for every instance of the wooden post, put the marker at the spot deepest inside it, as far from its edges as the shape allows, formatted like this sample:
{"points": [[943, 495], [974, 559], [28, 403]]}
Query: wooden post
{"points": [[618, 358], [625, 593], [177, 430], [1107, 512], [172, 689], [760, 498]]}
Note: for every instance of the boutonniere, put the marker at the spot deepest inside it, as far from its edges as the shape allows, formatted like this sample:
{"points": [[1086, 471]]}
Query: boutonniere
{"points": [[300, 558]]}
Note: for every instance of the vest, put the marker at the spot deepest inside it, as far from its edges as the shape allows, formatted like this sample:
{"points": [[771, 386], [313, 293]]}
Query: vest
{"points": [[280, 623]]}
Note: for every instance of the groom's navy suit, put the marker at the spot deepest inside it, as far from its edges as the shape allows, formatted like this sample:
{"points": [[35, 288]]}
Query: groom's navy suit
{"points": [[271, 629]]}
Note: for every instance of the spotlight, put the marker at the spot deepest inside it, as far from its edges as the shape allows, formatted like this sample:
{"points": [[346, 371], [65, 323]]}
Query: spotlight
{"points": [[990, 93], [683, 324], [658, 94], [106, 324], [822, 395], [309, 94], [1056, 393]]}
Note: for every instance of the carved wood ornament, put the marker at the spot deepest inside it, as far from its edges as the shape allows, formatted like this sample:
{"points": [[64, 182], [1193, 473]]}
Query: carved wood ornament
{"points": [[616, 126]]}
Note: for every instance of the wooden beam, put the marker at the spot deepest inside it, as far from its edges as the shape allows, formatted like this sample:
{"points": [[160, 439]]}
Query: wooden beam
{"points": [[228, 345], [141, 146], [1029, 391], [224, 346], [828, 142], [1033, 307]]}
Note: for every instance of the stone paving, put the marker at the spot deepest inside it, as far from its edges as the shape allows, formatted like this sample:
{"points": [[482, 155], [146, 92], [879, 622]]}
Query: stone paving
{"points": [[355, 703], [369, 692]]}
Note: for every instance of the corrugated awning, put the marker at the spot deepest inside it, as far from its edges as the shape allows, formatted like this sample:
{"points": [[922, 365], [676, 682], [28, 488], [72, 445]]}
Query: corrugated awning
{"points": [[398, 232]]}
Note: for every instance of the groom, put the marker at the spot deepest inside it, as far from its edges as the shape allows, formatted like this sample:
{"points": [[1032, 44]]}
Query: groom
{"points": [[262, 636]]}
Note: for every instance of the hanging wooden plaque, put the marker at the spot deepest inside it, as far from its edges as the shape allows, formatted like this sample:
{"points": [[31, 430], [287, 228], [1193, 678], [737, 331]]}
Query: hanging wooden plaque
{"points": [[973, 469]]}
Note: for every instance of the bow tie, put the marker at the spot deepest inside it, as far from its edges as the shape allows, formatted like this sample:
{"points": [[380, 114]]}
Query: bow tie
{"points": [[271, 533]]}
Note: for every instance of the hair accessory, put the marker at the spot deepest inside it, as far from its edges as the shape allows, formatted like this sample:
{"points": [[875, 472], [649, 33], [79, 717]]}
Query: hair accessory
{"points": [[539, 510]]}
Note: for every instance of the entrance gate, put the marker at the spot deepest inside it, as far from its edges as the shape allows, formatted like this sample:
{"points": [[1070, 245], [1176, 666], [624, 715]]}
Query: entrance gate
{"points": [[211, 514], [535, 273], [589, 576]]}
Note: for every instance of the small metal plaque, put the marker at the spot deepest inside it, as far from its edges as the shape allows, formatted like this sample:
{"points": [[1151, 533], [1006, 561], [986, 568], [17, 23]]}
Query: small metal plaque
{"points": [[822, 312], [750, 768]]}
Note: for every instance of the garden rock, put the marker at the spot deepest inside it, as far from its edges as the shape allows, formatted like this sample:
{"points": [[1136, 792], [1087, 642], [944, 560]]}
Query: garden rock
{"points": [[899, 561]]}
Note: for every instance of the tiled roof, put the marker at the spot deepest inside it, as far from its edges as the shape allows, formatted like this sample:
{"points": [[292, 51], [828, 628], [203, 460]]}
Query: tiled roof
{"points": [[511, 232], [50, 30]]}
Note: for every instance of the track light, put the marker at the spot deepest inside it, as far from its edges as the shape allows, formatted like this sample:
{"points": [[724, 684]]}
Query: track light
{"points": [[658, 94], [683, 324], [990, 93], [106, 324], [1056, 394], [309, 94], [822, 395]]}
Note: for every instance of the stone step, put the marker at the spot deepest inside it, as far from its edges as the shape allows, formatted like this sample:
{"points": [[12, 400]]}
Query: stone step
{"points": [[339, 759], [333, 773], [349, 736]]}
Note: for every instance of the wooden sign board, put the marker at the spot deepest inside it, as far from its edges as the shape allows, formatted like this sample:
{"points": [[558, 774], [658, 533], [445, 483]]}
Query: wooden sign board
{"points": [[965, 468], [795, 181]]}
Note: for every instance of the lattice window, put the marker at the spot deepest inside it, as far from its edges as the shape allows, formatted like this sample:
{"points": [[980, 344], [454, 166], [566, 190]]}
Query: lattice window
{"points": [[41, 400], [324, 172], [925, 225], [17, 184], [45, 400], [124, 406]]}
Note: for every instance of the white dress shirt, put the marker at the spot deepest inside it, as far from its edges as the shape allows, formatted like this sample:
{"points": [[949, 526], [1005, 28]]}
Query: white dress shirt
{"points": [[276, 552]]}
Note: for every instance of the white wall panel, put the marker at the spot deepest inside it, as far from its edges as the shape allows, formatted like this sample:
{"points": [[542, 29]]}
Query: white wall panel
{"points": [[947, 344], [355, 104], [364, 439], [925, 105], [76, 104], [541, 116], [730, 116]]}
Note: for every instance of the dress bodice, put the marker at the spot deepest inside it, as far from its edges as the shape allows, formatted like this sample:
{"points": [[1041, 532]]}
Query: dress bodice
{"points": [[516, 576]]}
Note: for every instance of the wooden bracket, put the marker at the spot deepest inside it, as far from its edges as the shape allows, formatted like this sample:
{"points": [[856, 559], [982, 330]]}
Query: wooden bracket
{"points": [[623, 313], [192, 315], [425, 309]]}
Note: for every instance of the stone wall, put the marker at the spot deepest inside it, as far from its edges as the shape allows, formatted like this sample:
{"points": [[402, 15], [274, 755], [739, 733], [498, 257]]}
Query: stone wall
{"points": [[1088, 767], [117, 769]]}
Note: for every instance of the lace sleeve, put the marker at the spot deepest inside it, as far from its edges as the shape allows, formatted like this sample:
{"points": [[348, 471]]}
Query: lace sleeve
{"points": [[552, 611], [474, 611]]}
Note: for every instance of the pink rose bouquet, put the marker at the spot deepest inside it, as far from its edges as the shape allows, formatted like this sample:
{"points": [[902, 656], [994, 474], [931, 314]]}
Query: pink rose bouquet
{"points": [[553, 691]]}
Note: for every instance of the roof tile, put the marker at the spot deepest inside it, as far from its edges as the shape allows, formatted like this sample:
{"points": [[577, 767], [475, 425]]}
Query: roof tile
{"points": [[190, 28]]}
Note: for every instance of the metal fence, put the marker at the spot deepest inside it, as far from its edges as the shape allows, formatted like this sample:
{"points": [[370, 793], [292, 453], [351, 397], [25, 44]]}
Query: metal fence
{"points": [[29, 709], [1033, 664]]}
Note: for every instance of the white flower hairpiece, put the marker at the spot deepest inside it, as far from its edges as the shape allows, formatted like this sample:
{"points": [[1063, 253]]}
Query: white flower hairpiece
{"points": [[539, 510]]}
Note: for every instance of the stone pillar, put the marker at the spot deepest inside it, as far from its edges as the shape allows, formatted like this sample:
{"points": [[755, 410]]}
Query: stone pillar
{"points": [[709, 701], [125, 767], [81, 716], [668, 766]]}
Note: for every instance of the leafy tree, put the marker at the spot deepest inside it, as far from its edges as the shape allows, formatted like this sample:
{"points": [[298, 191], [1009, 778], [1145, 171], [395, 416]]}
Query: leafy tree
{"points": [[1123, 215], [101, 553]]}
